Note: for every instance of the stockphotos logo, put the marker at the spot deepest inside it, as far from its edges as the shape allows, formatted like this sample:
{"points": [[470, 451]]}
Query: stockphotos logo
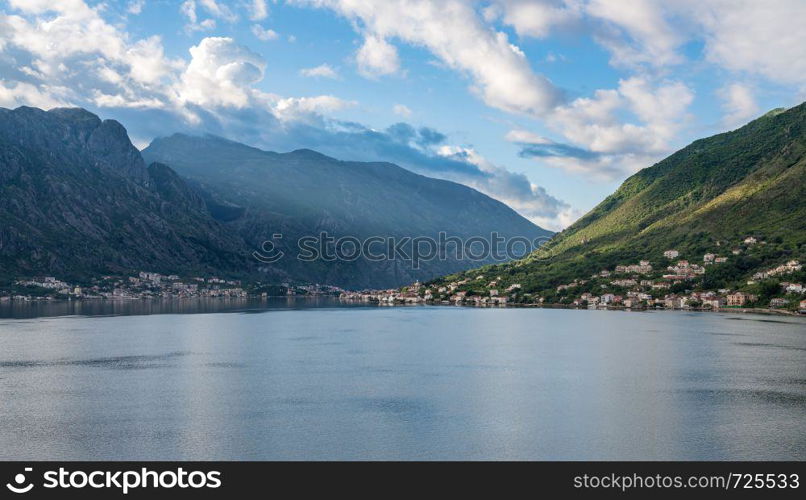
{"points": [[123, 481], [20, 484]]}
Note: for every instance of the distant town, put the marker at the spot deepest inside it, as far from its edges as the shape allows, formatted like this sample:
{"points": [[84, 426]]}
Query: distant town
{"points": [[637, 285], [628, 286], [151, 285]]}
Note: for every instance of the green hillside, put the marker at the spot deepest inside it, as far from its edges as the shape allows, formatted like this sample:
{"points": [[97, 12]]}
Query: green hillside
{"points": [[706, 198]]}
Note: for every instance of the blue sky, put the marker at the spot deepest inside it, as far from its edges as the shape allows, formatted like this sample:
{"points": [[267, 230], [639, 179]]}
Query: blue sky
{"points": [[546, 105]]}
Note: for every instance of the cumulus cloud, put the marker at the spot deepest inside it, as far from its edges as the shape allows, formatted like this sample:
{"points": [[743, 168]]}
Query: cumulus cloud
{"points": [[73, 57], [534, 18], [14, 94], [220, 73], [603, 143], [763, 38], [747, 36], [264, 34], [321, 71], [258, 10], [454, 33], [636, 32], [377, 57], [738, 104]]}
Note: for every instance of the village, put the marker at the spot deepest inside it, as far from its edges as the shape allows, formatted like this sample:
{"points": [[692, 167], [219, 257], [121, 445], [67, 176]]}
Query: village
{"points": [[151, 285], [627, 286]]}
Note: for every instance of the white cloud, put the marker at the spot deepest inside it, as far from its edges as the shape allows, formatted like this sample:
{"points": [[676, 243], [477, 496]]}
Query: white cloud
{"points": [[453, 31], [526, 137], [264, 34], [218, 10], [377, 57], [135, 6], [764, 38], [78, 59], [746, 36], [604, 141], [220, 73], [188, 9], [636, 32], [595, 122], [738, 104], [534, 18], [321, 71], [401, 110], [14, 94], [258, 10], [301, 108]]}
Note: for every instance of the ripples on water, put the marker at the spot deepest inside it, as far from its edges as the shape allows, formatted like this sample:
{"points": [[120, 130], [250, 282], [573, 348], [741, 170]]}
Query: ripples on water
{"points": [[302, 379]]}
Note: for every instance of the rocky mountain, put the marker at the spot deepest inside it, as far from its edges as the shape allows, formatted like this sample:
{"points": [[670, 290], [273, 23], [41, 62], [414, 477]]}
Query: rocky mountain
{"points": [[259, 194], [76, 198], [708, 197]]}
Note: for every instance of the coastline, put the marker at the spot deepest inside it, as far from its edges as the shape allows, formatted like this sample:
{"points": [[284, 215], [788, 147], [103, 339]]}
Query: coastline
{"points": [[781, 312], [345, 301]]}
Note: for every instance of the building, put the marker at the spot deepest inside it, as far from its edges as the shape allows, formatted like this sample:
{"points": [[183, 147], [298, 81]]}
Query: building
{"points": [[778, 302], [633, 302], [721, 260], [739, 299], [750, 240], [708, 258], [673, 302], [671, 254], [803, 305]]}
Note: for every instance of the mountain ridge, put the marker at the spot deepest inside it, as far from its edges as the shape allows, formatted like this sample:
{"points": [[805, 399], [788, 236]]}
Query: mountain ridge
{"points": [[705, 198], [77, 198], [304, 192]]}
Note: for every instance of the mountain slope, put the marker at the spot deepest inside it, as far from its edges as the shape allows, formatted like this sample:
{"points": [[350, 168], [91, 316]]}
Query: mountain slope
{"points": [[709, 195], [259, 193], [76, 199]]}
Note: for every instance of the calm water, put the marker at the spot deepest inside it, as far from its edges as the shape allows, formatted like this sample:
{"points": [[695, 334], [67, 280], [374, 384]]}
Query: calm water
{"points": [[285, 381]]}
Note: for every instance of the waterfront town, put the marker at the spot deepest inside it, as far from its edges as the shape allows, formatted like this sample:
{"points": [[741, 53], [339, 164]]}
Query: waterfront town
{"points": [[627, 286], [635, 285], [151, 285]]}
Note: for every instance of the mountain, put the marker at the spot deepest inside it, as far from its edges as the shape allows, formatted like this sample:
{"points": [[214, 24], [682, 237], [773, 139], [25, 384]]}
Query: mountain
{"points": [[258, 194], [707, 197], [77, 199]]}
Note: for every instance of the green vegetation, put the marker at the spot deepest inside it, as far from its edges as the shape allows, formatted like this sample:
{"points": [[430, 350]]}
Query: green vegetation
{"points": [[706, 198]]}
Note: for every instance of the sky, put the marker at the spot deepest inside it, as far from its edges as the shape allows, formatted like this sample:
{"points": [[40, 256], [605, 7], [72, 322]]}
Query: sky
{"points": [[546, 105]]}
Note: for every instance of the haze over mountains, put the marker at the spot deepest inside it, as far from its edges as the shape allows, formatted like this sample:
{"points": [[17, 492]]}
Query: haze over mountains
{"points": [[76, 199], [303, 193]]}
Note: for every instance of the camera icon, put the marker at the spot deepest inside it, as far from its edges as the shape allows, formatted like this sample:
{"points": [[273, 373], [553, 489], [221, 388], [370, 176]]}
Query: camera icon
{"points": [[19, 481]]}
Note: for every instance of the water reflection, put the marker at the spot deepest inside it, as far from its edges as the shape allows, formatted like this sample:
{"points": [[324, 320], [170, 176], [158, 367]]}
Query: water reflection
{"points": [[305, 382], [37, 309]]}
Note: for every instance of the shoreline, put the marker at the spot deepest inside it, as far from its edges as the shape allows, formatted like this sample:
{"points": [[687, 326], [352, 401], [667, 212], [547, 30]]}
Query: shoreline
{"points": [[122, 300], [742, 310]]}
